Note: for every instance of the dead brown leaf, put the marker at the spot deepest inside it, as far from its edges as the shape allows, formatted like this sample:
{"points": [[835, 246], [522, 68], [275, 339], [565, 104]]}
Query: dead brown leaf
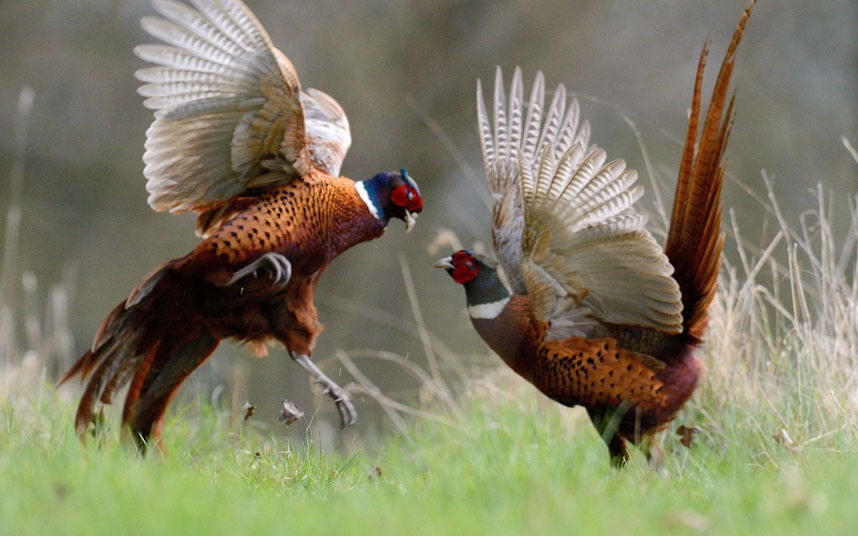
{"points": [[248, 410], [290, 413], [687, 434]]}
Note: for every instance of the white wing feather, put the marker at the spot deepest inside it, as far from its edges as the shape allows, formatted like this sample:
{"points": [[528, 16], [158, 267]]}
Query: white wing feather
{"points": [[229, 111], [583, 235], [564, 228], [513, 131], [328, 134]]}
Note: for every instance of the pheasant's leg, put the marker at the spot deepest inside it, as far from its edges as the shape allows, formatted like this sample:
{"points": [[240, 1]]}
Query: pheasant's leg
{"points": [[278, 263], [606, 423], [619, 451], [348, 414]]}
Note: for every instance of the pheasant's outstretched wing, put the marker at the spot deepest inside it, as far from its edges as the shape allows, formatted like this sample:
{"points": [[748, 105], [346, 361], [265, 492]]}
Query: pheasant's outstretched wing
{"points": [[526, 131], [230, 114], [585, 253], [563, 225]]}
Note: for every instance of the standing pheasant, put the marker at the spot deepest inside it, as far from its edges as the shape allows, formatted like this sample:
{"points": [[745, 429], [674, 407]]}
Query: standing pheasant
{"points": [[598, 315], [236, 140]]}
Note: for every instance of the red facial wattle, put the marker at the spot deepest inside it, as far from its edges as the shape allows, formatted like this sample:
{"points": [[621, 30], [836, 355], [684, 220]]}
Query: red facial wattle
{"points": [[407, 197], [464, 268]]}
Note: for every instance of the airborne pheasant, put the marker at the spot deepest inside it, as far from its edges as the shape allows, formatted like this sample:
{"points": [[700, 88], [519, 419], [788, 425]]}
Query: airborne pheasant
{"points": [[598, 315], [237, 141]]}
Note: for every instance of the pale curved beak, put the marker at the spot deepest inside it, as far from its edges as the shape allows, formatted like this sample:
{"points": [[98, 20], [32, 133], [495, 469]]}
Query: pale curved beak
{"points": [[446, 263], [410, 220]]}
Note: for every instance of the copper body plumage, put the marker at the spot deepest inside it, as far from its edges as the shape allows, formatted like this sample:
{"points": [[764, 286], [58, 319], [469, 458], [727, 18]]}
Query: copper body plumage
{"points": [[598, 315], [237, 141]]}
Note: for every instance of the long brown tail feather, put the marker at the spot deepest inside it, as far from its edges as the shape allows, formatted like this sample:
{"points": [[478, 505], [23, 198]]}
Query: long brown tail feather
{"points": [[83, 366], [694, 241], [142, 344], [77, 369], [156, 382], [116, 354]]}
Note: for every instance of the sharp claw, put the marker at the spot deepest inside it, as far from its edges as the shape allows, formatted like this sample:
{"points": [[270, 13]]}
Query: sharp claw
{"points": [[280, 264], [348, 414]]}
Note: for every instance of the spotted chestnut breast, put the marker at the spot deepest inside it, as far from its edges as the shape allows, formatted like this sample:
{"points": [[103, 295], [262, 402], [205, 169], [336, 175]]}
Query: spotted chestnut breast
{"points": [[237, 141], [591, 372], [308, 222], [597, 313], [572, 371]]}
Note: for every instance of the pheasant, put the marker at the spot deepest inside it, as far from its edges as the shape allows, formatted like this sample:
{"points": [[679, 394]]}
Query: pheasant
{"points": [[596, 313], [236, 140]]}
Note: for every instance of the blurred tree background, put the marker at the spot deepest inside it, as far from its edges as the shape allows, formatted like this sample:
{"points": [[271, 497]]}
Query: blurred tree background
{"points": [[404, 71]]}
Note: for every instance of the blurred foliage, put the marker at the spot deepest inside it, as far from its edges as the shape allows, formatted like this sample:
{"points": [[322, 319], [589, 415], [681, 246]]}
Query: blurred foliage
{"points": [[405, 71]]}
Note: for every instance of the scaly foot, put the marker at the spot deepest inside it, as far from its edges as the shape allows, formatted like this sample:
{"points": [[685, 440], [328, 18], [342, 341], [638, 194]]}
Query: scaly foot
{"points": [[348, 414]]}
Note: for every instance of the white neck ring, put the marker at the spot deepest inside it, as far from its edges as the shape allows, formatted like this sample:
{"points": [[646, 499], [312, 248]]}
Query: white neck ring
{"points": [[364, 195], [488, 311]]}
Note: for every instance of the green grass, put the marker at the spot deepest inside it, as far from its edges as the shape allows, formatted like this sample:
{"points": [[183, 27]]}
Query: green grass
{"points": [[777, 452], [517, 466]]}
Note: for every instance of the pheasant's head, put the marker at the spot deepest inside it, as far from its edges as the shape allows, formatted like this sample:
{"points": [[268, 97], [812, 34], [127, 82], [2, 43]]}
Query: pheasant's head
{"points": [[392, 195], [486, 294], [464, 266]]}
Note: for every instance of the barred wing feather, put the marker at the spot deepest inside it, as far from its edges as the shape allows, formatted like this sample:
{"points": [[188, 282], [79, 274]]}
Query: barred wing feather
{"points": [[513, 130], [229, 110], [564, 229], [585, 252]]}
